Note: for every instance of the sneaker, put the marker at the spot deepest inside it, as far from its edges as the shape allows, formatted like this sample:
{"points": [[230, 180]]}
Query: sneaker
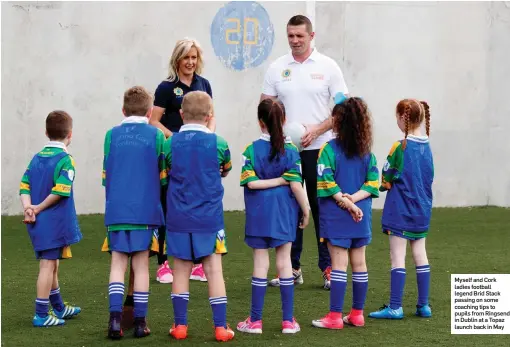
{"points": [[290, 327], [247, 326], [387, 312], [164, 273], [48, 321], [224, 334], [67, 312], [114, 328], [141, 328], [297, 274], [198, 274], [424, 311], [355, 317], [332, 320], [179, 332], [326, 274]]}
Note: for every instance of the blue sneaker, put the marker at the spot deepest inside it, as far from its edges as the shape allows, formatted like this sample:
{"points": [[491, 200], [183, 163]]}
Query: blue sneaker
{"points": [[424, 311], [48, 321], [387, 312], [67, 312]]}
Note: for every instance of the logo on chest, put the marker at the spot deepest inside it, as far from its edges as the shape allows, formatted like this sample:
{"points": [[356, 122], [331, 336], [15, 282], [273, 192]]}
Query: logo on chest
{"points": [[178, 91], [286, 75], [317, 76]]}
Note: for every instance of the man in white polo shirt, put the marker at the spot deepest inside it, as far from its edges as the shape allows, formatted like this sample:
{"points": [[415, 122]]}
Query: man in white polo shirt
{"points": [[306, 81]]}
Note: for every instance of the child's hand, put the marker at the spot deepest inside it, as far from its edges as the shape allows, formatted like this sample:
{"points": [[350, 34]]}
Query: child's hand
{"points": [[304, 221], [356, 213], [348, 196], [343, 204], [29, 215]]}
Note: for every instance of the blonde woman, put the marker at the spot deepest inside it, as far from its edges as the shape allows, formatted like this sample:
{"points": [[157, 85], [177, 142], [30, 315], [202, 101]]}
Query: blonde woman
{"points": [[184, 71]]}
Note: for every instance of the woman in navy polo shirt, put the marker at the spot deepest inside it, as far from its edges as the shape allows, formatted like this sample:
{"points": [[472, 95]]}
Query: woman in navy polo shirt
{"points": [[184, 71]]}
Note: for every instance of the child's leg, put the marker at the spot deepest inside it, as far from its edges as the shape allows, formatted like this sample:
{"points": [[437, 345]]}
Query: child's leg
{"points": [[398, 272], [44, 282], [180, 290], [116, 284], [422, 270], [339, 261], [140, 268], [55, 297], [217, 292], [359, 279], [284, 268], [259, 282]]}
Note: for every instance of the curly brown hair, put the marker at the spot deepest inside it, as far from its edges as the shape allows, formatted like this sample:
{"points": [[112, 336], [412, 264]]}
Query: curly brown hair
{"points": [[352, 124], [413, 113]]}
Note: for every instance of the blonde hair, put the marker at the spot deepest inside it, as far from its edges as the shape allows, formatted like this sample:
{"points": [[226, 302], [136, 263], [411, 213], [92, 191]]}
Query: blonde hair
{"points": [[196, 105], [137, 101], [182, 47]]}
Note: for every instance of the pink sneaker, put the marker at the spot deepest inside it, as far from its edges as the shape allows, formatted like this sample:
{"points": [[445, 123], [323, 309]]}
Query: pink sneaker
{"points": [[250, 327], [290, 327], [355, 317], [164, 273], [197, 273], [332, 320]]}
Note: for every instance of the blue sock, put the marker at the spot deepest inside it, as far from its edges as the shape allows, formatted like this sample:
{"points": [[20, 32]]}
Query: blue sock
{"points": [[287, 294], [398, 281], [141, 302], [180, 304], [258, 292], [359, 289], [219, 311], [116, 295], [41, 307], [56, 299], [338, 287], [423, 280]]}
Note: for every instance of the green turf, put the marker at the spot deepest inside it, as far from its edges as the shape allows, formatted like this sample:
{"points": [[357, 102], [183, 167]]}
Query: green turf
{"points": [[461, 241]]}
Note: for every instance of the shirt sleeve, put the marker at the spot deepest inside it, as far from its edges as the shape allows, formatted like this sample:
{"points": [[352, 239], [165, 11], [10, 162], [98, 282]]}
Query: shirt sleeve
{"points": [[371, 184], [269, 86], [208, 88], [24, 187], [393, 167], [162, 94], [224, 155], [337, 82], [107, 142], [65, 177], [293, 172], [168, 153], [160, 147], [247, 170], [326, 167]]}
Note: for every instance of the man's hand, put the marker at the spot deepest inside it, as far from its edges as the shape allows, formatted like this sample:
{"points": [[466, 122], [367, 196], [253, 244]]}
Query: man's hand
{"points": [[312, 132]]}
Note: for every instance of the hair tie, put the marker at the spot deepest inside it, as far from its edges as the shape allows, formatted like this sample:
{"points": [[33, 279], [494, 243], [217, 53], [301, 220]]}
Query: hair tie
{"points": [[339, 98]]}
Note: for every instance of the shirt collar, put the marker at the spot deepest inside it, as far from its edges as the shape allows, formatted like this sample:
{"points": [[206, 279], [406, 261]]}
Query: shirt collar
{"points": [[421, 139], [267, 137], [56, 144], [135, 119], [313, 56], [195, 127]]}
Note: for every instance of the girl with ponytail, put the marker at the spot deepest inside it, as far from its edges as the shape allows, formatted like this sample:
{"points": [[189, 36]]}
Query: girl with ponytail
{"points": [[273, 195]]}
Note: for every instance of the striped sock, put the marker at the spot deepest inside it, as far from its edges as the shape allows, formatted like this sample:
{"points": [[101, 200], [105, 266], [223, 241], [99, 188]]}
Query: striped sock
{"points": [[359, 289], [423, 280], [287, 295], [115, 295], [180, 304], [219, 309], [56, 299], [141, 303], [338, 287], [258, 292], [398, 281], [41, 307]]}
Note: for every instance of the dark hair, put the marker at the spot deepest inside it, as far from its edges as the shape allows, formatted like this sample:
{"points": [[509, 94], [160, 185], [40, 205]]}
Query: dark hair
{"points": [[58, 125], [413, 112], [272, 114], [301, 20], [353, 127], [137, 101]]}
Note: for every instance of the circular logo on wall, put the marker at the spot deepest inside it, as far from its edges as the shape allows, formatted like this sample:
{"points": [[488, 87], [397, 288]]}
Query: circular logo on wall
{"points": [[242, 35]]}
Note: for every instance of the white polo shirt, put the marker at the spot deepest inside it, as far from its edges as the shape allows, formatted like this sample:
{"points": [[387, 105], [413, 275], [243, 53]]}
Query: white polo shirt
{"points": [[306, 89]]}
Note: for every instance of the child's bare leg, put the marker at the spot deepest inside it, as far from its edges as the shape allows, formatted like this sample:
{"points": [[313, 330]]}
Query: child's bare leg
{"points": [[55, 296], [422, 272], [339, 262], [217, 293], [180, 290], [284, 268], [359, 279], [259, 283], [44, 282], [398, 272]]}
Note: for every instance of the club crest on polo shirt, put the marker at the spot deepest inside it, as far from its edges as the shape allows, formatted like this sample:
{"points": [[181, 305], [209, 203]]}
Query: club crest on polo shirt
{"points": [[286, 74], [317, 76], [178, 91]]}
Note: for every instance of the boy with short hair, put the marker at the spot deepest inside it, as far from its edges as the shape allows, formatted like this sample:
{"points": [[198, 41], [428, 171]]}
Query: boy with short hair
{"points": [[47, 197], [194, 219]]}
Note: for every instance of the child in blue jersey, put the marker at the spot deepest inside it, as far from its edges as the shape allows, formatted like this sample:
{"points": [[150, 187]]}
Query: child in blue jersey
{"points": [[407, 176], [347, 177], [133, 173], [48, 204], [194, 218], [271, 176]]}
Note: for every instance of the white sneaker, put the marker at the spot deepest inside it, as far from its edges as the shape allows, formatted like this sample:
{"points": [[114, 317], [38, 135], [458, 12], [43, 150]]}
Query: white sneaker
{"points": [[298, 278]]}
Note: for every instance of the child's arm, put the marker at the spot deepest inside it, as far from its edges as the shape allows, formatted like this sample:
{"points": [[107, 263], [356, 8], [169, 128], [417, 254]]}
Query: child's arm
{"points": [[354, 210], [371, 185], [224, 157], [266, 184], [299, 193], [393, 167], [160, 147], [106, 151], [48, 202], [26, 200]]}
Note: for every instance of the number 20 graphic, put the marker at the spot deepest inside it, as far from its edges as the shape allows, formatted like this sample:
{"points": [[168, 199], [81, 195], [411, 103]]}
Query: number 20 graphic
{"points": [[237, 30]]}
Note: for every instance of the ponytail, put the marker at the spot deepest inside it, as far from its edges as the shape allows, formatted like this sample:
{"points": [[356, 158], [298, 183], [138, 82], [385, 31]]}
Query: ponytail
{"points": [[272, 114]]}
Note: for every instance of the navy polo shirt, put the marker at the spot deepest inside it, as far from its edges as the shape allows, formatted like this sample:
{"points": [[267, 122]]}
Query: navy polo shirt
{"points": [[169, 96]]}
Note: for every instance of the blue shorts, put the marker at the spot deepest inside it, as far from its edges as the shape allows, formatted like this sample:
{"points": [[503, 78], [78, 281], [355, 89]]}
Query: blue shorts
{"points": [[408, 235], [351, 243], [131, 241], [263, 242], [195, 246], [54, 253]]}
